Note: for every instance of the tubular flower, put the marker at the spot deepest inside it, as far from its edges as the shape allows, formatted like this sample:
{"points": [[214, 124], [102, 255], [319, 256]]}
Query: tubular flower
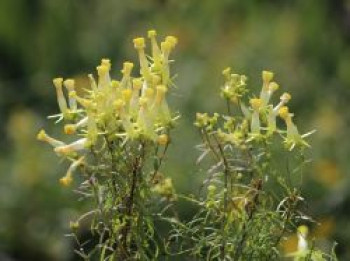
{"points": [[134, 101], [267, 77], [273, 86], [61, 100], [125, 119], [72, 147], [126, 71], [68, 179], [156, 53], [145, 122], [72, 128], [293, 137], [42, 136], [255, 122], [160, 106], [273, 112], [167, 46], [139, 44], [70, 86], [303, 232], [104, 78]]}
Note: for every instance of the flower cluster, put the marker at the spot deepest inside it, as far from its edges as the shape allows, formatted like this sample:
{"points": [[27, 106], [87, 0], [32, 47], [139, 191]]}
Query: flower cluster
{"points": [[134, 107], [258, 120]]}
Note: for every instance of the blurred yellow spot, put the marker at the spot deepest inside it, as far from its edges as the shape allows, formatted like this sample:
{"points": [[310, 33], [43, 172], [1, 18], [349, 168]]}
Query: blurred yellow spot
{"points": [[327, 173], [328, 121], [290, 244], [326, 228], [163, 139]]}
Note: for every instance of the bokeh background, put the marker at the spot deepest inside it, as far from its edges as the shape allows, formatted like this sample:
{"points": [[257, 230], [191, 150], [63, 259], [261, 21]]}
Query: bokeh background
{"points": [[306, 44]]}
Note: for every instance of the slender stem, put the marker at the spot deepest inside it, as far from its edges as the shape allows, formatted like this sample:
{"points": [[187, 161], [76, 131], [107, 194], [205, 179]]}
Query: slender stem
{"points": [[226, 176]]}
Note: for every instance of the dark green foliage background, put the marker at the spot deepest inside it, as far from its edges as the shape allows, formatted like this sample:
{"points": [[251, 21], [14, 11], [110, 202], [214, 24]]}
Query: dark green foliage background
{"points": [[306, 43]]}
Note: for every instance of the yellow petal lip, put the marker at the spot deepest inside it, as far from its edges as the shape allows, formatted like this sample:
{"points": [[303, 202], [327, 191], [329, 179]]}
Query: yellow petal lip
{"points": [[57, 82], [69, 129], [41, 135], [102, 69], [267, 76], [273, 86], [69, 84], [151, 33], [139, 43], [286, 97], [255, 103], [172, 40], [66, 181], [284, 112], [127, 68], [106, 62]]}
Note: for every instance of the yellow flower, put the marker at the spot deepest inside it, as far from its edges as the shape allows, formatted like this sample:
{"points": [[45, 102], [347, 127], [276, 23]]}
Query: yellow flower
{"points": [[127, 68], [255, 121], [72, 147], [256, 103], [139, 43], [267, 76], [42, 136], [69, 129], [103, 76], [66, 181], [160, 107], [293, 137], [156, 53], [166, 48], [61, 100], [303, 232], [145, 120], [70, 86]]}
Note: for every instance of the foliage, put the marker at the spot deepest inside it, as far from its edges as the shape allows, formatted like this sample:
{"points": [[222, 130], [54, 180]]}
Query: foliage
{"points": [[123, 129], [250, 204]]}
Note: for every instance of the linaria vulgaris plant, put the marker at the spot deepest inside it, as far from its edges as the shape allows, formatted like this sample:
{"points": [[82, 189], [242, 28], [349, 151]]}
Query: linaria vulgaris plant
{"points": [[249, 201]]}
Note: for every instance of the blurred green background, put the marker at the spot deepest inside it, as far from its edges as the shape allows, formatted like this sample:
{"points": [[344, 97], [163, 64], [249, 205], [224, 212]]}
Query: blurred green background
{"points": [[305, 42]]}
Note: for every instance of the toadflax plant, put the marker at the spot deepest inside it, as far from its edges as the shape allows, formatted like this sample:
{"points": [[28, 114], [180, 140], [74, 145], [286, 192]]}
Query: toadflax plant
{"points": [[121, 131]]}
